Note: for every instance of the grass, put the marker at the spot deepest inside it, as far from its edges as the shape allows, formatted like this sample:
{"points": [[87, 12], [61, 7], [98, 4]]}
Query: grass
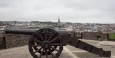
{"points": [[112, 36]]}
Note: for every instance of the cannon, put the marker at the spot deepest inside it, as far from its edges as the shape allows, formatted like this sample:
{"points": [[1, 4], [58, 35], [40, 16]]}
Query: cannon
{"points": [[50, 42]]}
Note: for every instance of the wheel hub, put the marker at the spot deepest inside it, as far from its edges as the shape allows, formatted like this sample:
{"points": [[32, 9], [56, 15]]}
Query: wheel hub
{"points": [[46, 45]]}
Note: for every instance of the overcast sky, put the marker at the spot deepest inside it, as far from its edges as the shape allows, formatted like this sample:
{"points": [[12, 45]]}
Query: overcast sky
{"points": [[83, 11]]}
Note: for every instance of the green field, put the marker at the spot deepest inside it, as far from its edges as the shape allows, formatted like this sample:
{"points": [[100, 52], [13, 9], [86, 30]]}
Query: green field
{"points": [[112, 36]]}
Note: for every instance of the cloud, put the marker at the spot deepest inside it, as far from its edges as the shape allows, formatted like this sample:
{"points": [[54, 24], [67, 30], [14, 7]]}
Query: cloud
{"points": [[68, 10]]}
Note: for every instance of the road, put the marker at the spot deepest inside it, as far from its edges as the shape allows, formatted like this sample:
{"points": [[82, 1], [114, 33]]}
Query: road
{"points": [[68, 52]]}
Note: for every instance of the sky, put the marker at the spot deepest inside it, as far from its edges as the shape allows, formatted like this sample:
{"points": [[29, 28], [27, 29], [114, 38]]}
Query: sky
{"points": [[77, 11]]}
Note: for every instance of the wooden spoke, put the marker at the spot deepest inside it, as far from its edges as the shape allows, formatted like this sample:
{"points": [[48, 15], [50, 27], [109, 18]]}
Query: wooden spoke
{"points": [[51, 52], [54, 39], [46, 53], [35, 45], [55, 44], [41, 53], [54, 49], [38, 41], [50, 37], [41, 37], [45, 36], [38, 50]]}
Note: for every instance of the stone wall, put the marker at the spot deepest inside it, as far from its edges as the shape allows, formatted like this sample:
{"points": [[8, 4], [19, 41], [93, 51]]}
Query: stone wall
{"points": [[13, 40], [0, 42], [94, 35]]}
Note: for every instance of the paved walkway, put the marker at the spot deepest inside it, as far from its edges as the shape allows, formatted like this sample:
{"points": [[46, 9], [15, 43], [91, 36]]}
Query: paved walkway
{"points": [[18, 52], [22, 52], [68, 52]]}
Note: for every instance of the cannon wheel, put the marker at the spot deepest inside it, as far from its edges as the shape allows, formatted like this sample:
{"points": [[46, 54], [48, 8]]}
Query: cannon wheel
{"points": [[45, 42]]}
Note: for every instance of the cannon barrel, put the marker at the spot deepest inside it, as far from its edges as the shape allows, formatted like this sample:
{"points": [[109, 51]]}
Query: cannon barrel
{"points": [[29, 31], [20, 31]]}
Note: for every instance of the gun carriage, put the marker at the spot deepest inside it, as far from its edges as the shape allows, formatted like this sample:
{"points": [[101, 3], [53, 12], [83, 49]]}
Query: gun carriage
{"points": [[49, 42]]}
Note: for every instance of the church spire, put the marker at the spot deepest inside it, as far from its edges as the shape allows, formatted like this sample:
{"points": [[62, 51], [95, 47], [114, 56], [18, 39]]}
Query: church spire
{"points": [[59, 21]]}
